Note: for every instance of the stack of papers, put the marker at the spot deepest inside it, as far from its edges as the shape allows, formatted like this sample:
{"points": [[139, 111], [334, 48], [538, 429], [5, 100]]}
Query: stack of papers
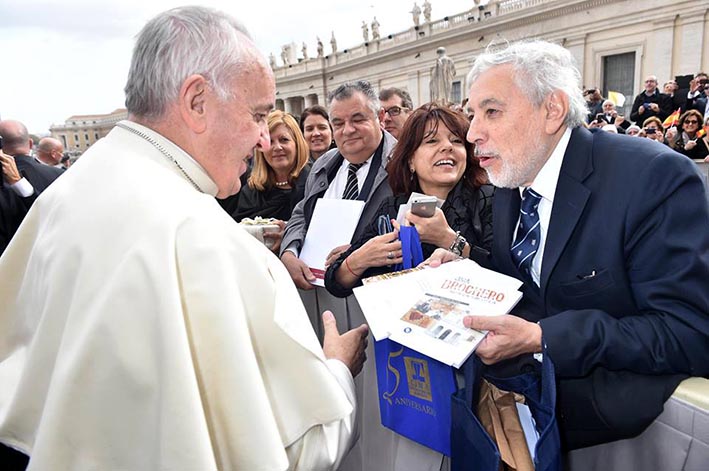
{"points": [[333, 223], [423, 309]]}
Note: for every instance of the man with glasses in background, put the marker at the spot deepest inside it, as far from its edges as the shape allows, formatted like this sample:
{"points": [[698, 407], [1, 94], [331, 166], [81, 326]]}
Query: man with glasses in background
{"points": [[396, 108], [650, 102]]}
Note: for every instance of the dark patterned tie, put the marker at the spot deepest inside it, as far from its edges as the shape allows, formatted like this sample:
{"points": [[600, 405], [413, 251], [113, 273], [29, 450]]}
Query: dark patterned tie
{"points": [[351, 188], [528, 233]]}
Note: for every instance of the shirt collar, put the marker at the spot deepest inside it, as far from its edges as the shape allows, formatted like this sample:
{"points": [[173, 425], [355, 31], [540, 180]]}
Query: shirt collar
{"points": [[545, 181], [365, 164], [183, 160]]}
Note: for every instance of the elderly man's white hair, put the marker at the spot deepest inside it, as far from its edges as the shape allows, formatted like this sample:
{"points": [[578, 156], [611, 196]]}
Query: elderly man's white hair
{"points": [[181, 42], [609, 102], [540, 67]]}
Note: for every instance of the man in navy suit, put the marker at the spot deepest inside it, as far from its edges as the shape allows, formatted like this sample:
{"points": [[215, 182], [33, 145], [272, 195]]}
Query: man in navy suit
{"points": [[17, 143], [613, 247]]}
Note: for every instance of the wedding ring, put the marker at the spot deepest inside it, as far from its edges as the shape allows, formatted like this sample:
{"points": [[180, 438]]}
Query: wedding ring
{"points": [[390, 256]]}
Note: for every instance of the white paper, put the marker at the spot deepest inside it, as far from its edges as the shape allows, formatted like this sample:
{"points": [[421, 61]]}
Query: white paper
{"points": [[528, 427], [333, 223], [424, 309]]}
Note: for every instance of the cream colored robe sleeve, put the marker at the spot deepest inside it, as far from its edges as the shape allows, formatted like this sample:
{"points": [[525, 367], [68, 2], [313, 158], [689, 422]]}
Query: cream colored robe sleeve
{"points": [[265, 382]]}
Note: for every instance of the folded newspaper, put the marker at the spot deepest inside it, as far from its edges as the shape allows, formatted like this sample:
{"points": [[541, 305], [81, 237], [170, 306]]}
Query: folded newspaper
{"points": [[423, 309]]}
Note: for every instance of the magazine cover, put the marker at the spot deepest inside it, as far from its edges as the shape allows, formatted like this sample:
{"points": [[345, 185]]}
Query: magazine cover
{"points": [[423, 309]]}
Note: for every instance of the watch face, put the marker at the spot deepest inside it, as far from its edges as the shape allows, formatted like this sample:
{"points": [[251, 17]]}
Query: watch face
{"points": [[458, 245]]}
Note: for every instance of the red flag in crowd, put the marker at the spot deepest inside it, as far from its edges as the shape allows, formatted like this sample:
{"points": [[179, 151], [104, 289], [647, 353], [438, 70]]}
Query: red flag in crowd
{"points": [[672, 119]]}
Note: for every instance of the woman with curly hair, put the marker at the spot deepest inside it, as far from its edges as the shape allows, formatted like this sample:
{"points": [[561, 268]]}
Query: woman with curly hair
{"points": [[432, 157]]}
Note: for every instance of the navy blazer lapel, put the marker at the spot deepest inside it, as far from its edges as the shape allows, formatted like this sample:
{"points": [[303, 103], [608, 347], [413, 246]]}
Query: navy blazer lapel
{"points": [[505, 207], [569, 200]]}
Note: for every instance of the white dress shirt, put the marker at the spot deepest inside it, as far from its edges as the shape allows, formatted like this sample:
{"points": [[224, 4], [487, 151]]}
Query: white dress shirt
{"points": [[545, 185], [338, 184]]}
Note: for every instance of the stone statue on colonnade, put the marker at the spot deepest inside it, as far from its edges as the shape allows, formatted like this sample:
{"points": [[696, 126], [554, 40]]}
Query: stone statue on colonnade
{"points": [[416, 12], [375, 29], [333, 43], [442, 77], [427, 11]]}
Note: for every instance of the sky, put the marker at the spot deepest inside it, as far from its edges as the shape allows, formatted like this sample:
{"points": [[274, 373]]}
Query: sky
{"points": [[59, 59]]}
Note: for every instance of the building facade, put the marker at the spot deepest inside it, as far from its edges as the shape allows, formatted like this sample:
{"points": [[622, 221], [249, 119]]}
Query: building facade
{"points": [[616, 43], [79, 132]]}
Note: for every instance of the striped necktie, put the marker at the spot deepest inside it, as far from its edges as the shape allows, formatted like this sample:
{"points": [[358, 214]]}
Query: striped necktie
{"points": [[351, 188], [527, 240]]}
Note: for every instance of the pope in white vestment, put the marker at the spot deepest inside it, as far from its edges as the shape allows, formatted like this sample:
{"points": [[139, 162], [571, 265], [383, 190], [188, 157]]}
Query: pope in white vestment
{"points": [[142, 329]]}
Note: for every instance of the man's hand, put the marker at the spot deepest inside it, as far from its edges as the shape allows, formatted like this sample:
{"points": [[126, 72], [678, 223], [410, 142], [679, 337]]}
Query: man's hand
{"points": [[335, 254], [694, 85], [298, 270], [9, 169], [276, 237], [655, 107], [350, 347], [439, 257], [509, 336], [671, 134]]}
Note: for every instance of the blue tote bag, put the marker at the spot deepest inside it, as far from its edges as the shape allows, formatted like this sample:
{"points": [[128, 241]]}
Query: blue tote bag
{"points": [[473, 448], [414, 390]]}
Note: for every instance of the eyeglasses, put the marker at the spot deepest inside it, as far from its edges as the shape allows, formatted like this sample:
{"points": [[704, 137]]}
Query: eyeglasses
{"points": [[691, 121], [394, 110]]}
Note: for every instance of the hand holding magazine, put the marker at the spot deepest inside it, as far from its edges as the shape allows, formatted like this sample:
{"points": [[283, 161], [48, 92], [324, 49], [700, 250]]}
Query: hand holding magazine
{"points": [[423, 309]]}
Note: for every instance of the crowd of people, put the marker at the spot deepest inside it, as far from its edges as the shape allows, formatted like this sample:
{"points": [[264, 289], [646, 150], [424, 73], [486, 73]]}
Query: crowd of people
{"points": [[142, 328], [678, 118]]}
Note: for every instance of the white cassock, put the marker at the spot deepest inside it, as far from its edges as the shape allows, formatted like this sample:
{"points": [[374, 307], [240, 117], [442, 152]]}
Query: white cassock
{"points": [[142, 329]]}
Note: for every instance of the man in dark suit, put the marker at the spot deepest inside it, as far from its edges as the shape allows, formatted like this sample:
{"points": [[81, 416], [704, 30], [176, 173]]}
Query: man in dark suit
{"points": [[360, 141], [615, 269], [650, 102], [50, 151], [16, 197], [17, 143]]}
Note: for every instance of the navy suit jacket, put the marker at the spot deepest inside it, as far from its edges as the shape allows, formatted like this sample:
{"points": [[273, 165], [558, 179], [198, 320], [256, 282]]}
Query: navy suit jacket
{"points": [[624, 296], [39, 175]]}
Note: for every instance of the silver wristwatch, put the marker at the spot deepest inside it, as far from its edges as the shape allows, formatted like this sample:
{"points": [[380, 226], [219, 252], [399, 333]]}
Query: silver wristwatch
{"points": [[458, 244]]}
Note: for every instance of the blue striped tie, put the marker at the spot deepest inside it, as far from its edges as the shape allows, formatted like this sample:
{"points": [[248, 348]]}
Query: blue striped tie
{"points": [[527, 241], [351, 187]]}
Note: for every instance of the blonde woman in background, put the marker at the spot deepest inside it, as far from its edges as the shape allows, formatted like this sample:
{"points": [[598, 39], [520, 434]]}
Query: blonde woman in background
{"points": [[277, 180]]}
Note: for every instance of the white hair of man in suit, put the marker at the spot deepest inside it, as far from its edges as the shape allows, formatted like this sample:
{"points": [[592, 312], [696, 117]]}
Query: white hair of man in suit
{"points": [[540, 68], [529, 90]]}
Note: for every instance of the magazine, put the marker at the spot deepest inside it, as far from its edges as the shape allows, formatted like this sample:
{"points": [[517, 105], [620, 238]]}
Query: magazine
{"points": [[423, 309]]}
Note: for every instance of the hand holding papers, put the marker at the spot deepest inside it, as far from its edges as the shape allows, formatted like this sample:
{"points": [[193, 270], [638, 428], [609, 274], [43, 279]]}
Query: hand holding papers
{"points": [[424, 309], [333, 223]]}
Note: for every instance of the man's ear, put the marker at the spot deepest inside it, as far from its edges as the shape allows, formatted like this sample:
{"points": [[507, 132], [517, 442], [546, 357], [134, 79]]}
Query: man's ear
{"points": [[556, 107], [192, 102]]}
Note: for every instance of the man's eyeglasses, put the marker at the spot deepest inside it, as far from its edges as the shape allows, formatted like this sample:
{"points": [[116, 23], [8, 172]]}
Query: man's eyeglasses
{"points": [[394, 110]]}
